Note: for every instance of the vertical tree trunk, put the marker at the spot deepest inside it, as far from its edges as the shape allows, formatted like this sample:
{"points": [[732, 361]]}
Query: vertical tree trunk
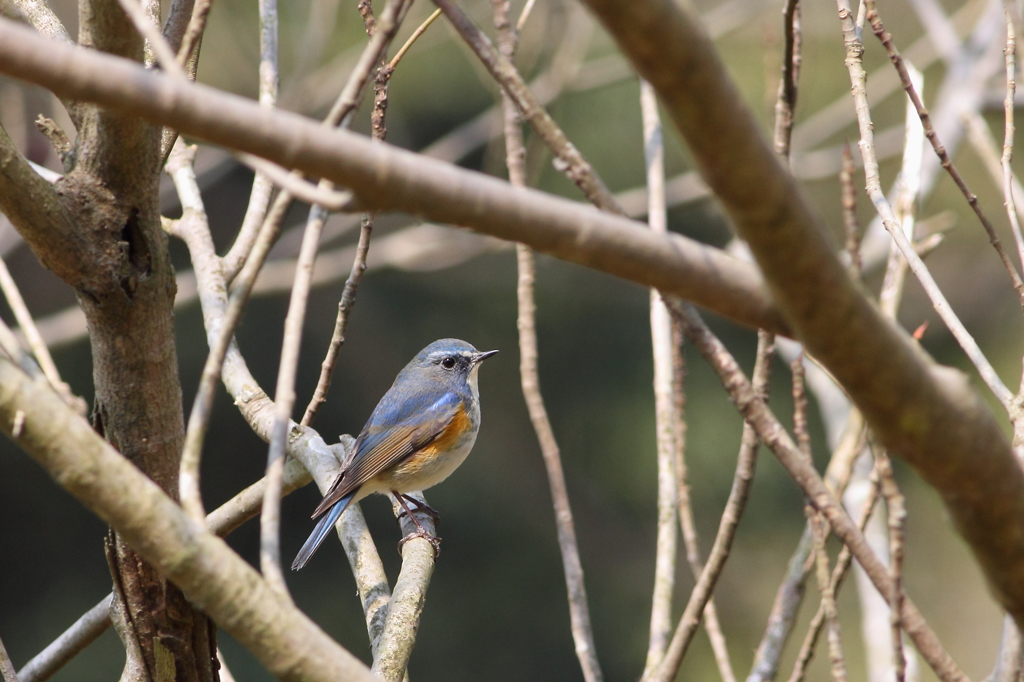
{"points": [[126, 288]]}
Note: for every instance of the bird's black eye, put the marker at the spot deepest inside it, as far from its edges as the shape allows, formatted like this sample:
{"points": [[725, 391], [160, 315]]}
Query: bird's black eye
{"points": [[448, 362]]}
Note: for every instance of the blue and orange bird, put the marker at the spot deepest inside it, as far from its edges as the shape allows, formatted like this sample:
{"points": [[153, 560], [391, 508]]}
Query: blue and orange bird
{"points": [[419, 433]]}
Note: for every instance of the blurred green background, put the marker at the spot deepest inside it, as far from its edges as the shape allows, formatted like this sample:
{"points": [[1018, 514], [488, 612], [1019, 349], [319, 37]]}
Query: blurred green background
{"points": [[496, 608]]}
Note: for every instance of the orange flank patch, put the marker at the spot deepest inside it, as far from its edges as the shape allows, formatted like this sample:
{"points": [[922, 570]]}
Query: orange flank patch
{"points": [[450, 437]]}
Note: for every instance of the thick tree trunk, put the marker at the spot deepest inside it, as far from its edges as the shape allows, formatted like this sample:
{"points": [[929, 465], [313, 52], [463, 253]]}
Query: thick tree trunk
{"points": [[99, 230]]}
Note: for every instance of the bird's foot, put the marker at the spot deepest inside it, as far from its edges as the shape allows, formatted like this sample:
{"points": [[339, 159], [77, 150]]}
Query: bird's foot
{"points": [[434, 541], [420, 506]]}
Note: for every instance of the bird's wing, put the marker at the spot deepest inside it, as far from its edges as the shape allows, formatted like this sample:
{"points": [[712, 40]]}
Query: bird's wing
{"points": [[379, 448]]}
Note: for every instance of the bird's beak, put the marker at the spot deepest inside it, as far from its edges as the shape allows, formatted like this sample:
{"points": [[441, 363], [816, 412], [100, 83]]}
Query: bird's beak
{"points": [[480, 357]]}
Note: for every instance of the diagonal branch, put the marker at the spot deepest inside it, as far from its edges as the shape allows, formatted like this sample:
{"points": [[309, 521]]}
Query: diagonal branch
{"points": [[391, 179], [796, 463], [34, 208], [210, 574], [927, 414]]}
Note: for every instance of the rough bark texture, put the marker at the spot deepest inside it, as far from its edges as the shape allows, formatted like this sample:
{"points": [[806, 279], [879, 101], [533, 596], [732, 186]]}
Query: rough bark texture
{"points": [[100, 232]]}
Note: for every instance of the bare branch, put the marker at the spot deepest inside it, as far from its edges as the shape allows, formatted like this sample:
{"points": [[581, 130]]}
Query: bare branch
{"points": [[773, 435], [194, 31], [879, 366], [6, 667], [734, 506], [572, 163], [28, 327], [413, 38], [71, 642], [526, 321], [296, 186], [436, 190], [284, 400], [34, 208], [791, 59], [209, 573], [222, 521], [851, 225], [828, 599], [897, 514], [259, 195], [664, 399], [148, 30], [392, 651], [673, 492], [940, 150]]}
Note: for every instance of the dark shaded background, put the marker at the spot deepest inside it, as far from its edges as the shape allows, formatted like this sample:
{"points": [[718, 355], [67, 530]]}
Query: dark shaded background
{"points": [[496, 607]]}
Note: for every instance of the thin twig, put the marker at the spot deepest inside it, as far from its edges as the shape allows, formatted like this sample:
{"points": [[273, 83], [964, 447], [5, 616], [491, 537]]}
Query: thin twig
{"points": [[179, 167], [875, 609], [348, 297], [413, 38], [6, 667], [284, 400], [734, 506], [69, 644], [673, 497], [664, 402], [782, 618], [378, 131], [569, 159], [262, 188], [854, 53], [242, 285], [295, 185], [579, 612], [851, 226], [843, 562], [1008, 130], [790, 593], [908, 187], [772, 434], [986, 146], [151, 33], [816, 524], [785, 103], [686, 520], [673, 491], [29, 329], [828, 599], [800, 431], [194, 32], [525, 15], [879, 29], [896, 513]]}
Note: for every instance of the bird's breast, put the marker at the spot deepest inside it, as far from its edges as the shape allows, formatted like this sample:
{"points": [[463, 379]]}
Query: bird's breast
{"points": [[435, 462]]}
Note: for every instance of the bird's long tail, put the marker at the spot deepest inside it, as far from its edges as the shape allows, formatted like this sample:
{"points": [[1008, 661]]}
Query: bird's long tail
{"points": [[319, 534]]}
